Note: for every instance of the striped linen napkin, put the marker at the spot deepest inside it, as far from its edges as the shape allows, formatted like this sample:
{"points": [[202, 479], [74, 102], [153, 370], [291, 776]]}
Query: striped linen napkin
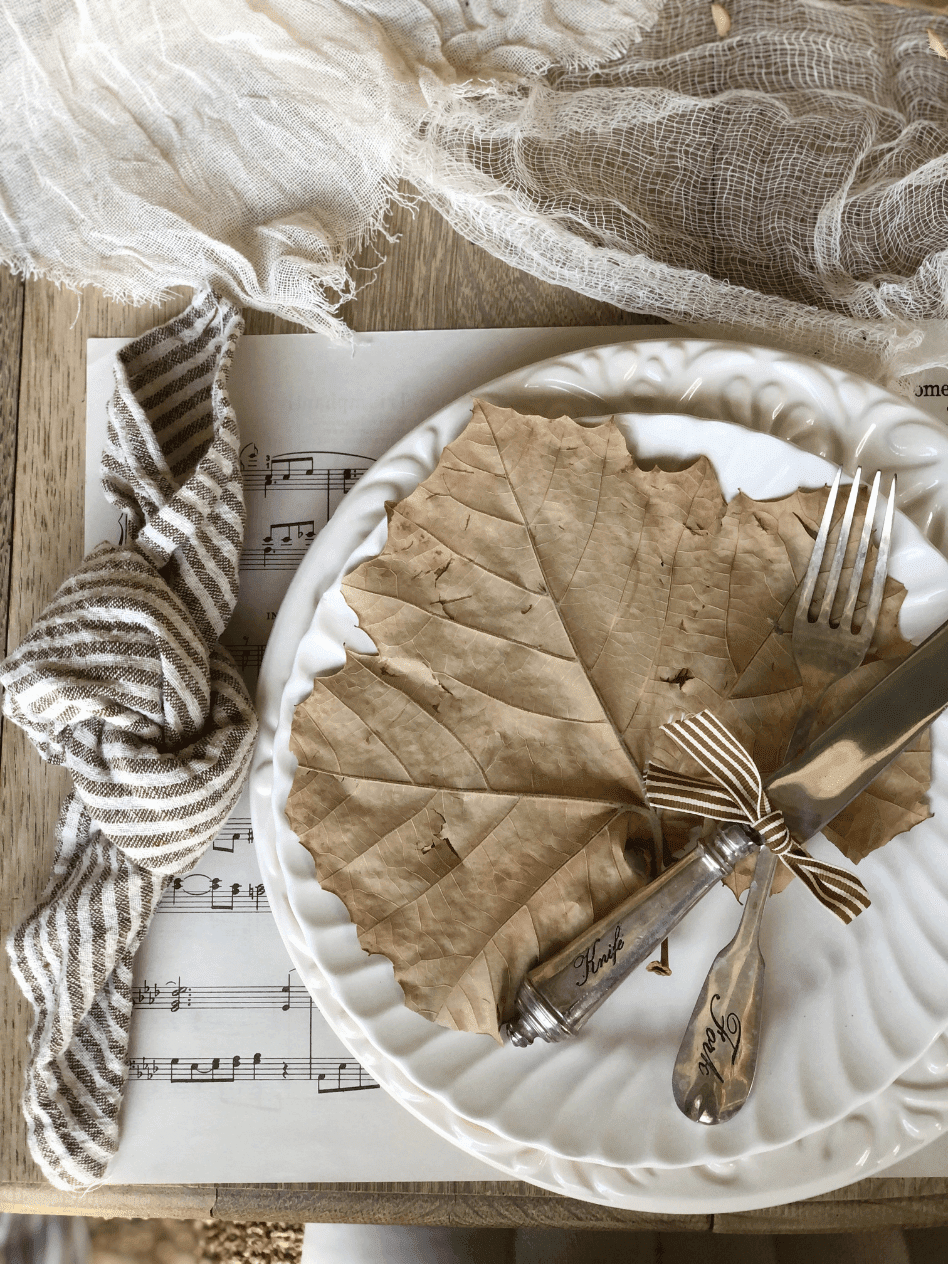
{"points": [[124, 682]]}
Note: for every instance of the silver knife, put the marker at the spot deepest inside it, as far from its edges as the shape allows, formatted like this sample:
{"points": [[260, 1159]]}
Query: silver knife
{"points": [[559, 995]]}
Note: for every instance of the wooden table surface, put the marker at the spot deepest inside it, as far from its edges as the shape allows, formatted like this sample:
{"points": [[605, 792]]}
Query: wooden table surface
{"points": [[432, 279]]}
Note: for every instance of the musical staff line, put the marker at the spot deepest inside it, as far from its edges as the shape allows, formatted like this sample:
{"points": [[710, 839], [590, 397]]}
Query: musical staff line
{"points": [[329, 1074], [248, 657], [174, 996], [299, 478], [269, 557], [309, 471]]}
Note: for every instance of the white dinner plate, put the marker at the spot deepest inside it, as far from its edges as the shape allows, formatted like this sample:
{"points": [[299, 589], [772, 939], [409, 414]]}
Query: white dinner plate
{"points": [[849, 1009]]}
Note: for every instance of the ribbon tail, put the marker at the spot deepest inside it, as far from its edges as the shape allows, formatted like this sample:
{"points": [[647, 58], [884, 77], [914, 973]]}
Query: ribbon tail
{"points": [[839, 891]]}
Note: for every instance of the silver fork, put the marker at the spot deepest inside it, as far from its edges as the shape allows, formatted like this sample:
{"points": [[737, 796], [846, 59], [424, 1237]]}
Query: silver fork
{"points": [[717, 1060]]}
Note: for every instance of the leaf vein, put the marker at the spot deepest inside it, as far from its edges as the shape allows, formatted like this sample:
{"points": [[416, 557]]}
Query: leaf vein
{"points": [[617, 804], [592, 684]]}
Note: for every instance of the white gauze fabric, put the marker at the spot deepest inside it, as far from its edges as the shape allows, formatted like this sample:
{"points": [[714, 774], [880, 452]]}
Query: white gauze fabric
{"points": [[149, 143], [785, 179]]}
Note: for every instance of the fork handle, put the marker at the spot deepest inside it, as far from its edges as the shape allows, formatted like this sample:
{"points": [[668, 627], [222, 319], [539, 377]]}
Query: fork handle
{"points": [[715, 1067]]}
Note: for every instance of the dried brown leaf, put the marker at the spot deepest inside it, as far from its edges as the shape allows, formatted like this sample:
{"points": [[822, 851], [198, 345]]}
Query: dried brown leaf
{"points": [[541, 607]]}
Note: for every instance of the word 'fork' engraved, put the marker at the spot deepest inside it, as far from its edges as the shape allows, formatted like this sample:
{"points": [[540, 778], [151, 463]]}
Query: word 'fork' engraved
{"points": [[725, 1031]]}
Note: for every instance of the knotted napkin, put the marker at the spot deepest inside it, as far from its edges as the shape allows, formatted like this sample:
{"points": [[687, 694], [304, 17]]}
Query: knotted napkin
{"points": [[124, 682], [737, 796]]}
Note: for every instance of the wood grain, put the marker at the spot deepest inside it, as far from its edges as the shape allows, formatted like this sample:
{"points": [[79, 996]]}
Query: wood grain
{"points": [[11, 866], [481, 1204], [148, 1202], [877, 1203], [430, 279], [434, 279], [11, 346], [487, 1204]]}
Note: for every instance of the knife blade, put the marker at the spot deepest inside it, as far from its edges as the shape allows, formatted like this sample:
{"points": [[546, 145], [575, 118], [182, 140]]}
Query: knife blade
{"points": [[815, 787], [559, 995]]}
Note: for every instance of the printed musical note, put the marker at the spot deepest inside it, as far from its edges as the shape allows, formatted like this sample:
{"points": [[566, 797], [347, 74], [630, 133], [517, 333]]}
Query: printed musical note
{"points": [[324, 1083], [224, 901], [188, 1072], [305, 530], [237, 830], [282, 549], [300, 463], [331, 1076], [200, 893], [177, 994], [307, 472]]}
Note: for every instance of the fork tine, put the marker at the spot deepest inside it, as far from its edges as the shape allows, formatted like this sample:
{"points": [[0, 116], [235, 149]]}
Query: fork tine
{"points": [[824, 652], [882, 561], [816, 556], [862, 554], [842, 543]]}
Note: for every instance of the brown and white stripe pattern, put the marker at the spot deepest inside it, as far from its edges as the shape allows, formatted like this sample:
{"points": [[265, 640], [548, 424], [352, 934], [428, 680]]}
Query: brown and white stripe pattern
{"points": [[737, 796], [123, 681]]}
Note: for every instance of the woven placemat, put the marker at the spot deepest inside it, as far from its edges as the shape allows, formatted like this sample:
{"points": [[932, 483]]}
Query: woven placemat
{"points": [[137, 1241], [255, 1242]]}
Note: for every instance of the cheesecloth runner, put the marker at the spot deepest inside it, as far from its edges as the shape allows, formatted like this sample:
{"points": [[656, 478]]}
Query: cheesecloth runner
{"points": [[124, 682], [779, 167]]}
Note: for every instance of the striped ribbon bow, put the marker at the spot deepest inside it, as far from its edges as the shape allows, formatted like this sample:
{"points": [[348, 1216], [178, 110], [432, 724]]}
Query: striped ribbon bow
{"points": [[738, 797]]}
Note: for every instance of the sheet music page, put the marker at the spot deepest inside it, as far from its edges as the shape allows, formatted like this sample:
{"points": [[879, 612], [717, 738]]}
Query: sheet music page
{"points": [[234, 1075]]}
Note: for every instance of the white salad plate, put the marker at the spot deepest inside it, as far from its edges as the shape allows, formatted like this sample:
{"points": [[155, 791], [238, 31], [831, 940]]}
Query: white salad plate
{"points": [[846, 1085]]}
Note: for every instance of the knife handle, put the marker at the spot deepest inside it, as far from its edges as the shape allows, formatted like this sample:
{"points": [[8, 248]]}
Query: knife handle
{"points": [[558, 996]]}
